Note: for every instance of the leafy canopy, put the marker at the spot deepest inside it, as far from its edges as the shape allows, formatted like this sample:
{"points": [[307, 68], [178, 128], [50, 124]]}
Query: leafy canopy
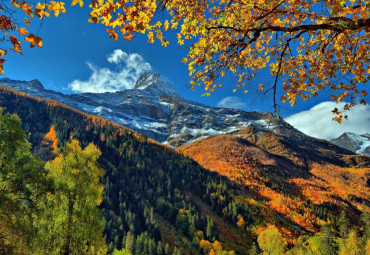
{"points": [[22, 185], [49, 209], [13, 31], [271, 241], [306, 45], [72, 223]]}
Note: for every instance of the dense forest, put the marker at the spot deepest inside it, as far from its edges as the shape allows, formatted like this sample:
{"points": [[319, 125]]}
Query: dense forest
{"points": [[152, 199]]}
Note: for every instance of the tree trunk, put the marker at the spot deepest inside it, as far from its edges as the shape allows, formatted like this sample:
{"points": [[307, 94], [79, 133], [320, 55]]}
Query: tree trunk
{"points": [[67, 247]]}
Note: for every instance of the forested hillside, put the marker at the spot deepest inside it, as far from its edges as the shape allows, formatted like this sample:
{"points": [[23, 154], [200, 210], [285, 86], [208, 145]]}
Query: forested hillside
{"points": [[298, 186], [157, 201]]}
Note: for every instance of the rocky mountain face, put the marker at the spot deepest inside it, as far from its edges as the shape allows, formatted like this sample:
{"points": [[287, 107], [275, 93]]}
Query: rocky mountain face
{"points": [[155, 109], [356, 143]]}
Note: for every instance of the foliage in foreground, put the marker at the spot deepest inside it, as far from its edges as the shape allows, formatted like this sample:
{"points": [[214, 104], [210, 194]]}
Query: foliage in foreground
{"points": [[22, 183], [49, 210], [306, 46]]}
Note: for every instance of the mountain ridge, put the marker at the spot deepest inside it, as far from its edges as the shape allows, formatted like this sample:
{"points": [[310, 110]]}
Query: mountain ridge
{"points": [[155, 109]]}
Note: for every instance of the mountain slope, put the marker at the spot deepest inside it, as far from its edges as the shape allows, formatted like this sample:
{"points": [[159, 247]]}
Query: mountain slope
{"points": [[152, 194], [155, 197], [295, 173], [153, 108], [359, 144]]}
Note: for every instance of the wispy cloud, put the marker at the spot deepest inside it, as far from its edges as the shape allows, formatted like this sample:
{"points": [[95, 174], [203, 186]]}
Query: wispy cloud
{"points": [[317, 121], [117, 56], [231, 102], [128, 69]]}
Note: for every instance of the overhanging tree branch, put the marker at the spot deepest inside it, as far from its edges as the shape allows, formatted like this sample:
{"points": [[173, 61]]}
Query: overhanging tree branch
{"points": [[337, 27]]}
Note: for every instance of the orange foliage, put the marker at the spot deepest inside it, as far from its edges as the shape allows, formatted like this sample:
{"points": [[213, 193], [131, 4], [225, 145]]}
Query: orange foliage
{"points": [[229, 157], [242, 162], [225, 156], [212, 248], [330, 181], [52, 137], [241, 222]]}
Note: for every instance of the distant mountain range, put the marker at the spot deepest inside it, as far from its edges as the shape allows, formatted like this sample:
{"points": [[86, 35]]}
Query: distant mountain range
{"points": [[155, 109], [356, 143]]}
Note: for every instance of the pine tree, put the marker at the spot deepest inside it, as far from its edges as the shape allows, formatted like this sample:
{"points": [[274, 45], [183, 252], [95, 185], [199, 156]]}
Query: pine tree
{"points": [[160, 248], [166, 249], [343, 224], [121, 252], [327, 245], [210, 229], [365, 217], [175, 251], [351, 245], [130, 242]]}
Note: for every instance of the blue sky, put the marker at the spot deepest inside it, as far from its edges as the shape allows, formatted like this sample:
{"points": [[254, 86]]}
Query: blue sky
{"points": [[76, 52]]}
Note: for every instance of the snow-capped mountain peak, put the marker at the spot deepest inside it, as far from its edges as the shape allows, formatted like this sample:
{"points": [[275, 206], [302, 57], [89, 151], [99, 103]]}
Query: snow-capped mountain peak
{"points": [[145, 80], [36, 84], [155, 109], [359, 144], [16, 84], [155, 84]]}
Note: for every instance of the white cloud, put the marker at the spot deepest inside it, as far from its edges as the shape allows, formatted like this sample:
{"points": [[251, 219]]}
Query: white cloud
{"points": [[116, 56], [231, 102], [129, 67], [317, 121]]}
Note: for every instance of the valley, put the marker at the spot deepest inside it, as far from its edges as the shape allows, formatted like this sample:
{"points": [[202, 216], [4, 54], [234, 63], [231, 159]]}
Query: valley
{"points": [[202, 180]]}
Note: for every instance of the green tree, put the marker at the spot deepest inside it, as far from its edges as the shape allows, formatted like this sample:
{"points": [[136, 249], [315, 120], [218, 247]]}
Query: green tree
{"points": [[365, 217], [271, 241], [253, 250], [343, 224], [210, 229], [303, 246], [72, 223], [327, 244], [22, 184], [351, 245], [160, 248], [121, 252], [182, 223], [130, 242], [166, 249]]}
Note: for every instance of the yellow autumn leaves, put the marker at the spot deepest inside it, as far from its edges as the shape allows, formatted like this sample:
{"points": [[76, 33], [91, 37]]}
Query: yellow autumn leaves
{"points": [[307, 46], [127, 17], [41, 9], [80, 2], [13, 32]]}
